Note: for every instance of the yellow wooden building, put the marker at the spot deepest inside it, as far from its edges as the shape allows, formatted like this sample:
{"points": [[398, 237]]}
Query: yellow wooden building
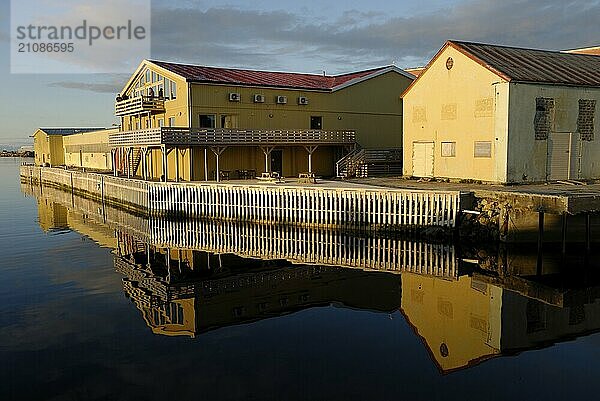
{"points": [[48, 144], [503, 114], [89, 150], [193, 121]]}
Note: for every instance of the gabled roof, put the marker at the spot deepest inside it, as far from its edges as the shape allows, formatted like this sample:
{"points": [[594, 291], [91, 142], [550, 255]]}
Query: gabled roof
{"points": [[69, 131], [515, 64], [531, 65], [288, 80]]}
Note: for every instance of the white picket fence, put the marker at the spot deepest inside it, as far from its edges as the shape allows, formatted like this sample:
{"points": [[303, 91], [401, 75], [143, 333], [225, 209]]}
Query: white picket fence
{"points": [[290, 205], [327, 207]]}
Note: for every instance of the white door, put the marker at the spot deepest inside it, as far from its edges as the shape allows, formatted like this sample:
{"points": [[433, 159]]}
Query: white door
{"points": [[563, 156], [423, 159]]}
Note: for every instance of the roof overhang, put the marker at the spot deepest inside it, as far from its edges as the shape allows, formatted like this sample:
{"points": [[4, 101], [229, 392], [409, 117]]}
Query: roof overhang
{"points": [[145, 63], [391, 68]]}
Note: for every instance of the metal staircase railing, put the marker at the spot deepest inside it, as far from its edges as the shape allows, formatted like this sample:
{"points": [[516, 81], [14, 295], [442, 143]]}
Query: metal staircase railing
{"points": [[341, 166], [370, 162]]}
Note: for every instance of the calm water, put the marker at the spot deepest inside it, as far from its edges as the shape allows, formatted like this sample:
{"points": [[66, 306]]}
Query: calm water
{"points": [[94, 311]]}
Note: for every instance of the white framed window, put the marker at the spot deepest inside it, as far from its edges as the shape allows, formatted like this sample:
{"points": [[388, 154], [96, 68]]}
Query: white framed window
{"points": [[482, 149], [171, 121], [448, 149]]}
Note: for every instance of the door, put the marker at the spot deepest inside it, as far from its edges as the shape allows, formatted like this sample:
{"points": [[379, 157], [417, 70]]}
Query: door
{"points": [[229, 121], [563, 156], [423, 159], [276, 161]]}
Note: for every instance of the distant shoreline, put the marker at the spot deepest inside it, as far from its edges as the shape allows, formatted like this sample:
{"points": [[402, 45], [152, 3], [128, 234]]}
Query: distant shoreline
{"points": [[15, 153]]}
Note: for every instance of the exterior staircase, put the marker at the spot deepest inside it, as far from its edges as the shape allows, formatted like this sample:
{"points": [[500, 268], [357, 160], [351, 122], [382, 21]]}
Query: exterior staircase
{"points": [[137, 159], [370, 162]]}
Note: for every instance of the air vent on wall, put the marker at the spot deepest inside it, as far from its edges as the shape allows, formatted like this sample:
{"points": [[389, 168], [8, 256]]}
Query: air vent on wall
{"points": [[302, 100], [234, 97], [259, 98], [281, 99]]}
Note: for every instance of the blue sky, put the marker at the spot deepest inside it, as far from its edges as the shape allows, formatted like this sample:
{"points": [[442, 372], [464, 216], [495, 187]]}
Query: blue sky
{"points": [[303, 36]]}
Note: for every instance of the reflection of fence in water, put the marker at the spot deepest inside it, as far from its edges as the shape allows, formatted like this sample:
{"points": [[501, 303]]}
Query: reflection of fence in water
{"points": [[307, 246], [296, 244], [104, 214]]}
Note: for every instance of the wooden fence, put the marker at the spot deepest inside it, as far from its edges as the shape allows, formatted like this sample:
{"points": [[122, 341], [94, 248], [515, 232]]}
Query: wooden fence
{"points": [[300, 245], [326, 207], [348, 208]]}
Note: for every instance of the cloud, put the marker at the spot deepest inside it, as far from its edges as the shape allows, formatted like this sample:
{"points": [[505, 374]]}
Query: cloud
{"points": [[284, 40], [114, 85]]}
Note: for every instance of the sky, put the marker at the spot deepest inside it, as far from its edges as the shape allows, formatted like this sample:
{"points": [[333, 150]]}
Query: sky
{"points": [[303, 36]]}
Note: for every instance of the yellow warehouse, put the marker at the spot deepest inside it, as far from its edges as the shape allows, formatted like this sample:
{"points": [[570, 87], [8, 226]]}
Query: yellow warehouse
{"points": [[503, 114]]}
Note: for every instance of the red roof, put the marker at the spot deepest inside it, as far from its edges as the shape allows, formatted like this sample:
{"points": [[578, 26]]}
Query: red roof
{"points": [[196, 73]]}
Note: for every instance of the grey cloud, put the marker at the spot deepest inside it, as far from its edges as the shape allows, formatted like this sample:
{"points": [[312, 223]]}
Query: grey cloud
{"points": [[280, 39], [114, 85]]}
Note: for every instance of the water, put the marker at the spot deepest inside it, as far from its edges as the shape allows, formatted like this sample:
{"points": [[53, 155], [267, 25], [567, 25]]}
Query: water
{"points": [[82, 316]]}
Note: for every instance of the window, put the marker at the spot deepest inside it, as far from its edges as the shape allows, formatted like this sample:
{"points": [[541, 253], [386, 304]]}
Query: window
{"points": [[171, 121], [167, 88], [482, 149], [448, 149], [161, 122], [316, 122], [544, 117], [585, 119], [147, 75], [207, 121], [173, 90]]}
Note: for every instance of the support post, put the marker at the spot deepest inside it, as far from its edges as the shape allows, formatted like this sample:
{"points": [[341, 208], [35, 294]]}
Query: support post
{"points": [[113, 155], [163, 150], [128, 162], [176, 164], [218, 150], [267, 151], [150, 166], [310, 149], [205, 164], [144, 163], [191, 153]]}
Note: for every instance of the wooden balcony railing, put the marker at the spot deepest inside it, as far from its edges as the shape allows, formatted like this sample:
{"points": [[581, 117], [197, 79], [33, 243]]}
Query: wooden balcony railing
{"points": [[140, 104], [175, 136]]}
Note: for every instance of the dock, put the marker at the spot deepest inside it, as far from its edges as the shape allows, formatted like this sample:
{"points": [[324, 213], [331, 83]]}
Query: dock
{"points": [[329, 205], [536, 213]]}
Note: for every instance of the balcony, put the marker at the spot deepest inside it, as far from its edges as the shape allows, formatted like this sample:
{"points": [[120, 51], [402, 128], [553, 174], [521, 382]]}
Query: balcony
{"points": [[174, 136], [139, 105]]}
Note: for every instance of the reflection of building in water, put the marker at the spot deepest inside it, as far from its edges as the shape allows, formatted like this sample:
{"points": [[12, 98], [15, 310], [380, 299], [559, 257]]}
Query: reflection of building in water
{"points": [[190, 292], [467, 321], [51, 215], [54, 215], [459, 321], [188, 277]]}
